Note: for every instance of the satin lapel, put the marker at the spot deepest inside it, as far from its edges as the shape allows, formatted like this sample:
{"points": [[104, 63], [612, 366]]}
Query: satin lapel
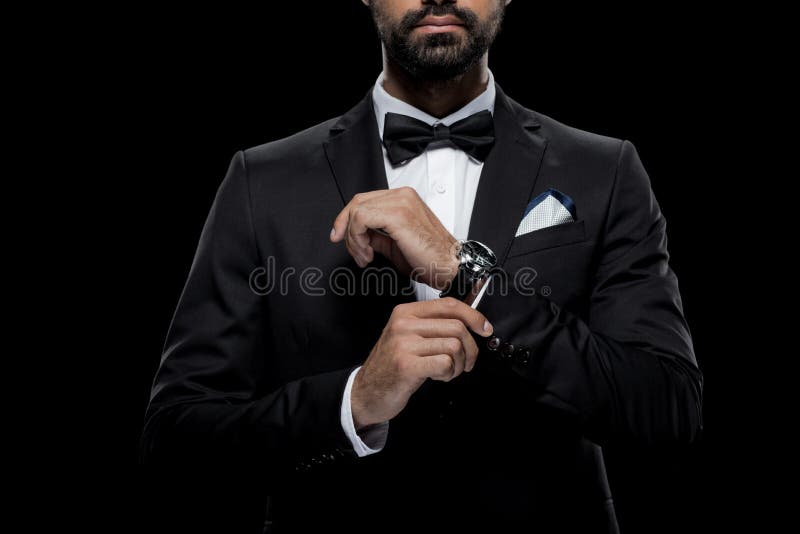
{"points": [[355, 156], [508, 176], [354, 152]]}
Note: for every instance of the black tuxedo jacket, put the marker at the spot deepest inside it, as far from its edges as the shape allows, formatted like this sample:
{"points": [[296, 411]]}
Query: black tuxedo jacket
{"points": [[251, 381]]}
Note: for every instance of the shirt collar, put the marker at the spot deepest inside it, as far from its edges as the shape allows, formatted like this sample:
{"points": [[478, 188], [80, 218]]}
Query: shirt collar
{"points": [[385, 103]]}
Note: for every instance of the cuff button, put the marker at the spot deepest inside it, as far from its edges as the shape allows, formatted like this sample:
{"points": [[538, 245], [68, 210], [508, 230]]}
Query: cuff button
{"points": [[523, 356], [493, 343]]}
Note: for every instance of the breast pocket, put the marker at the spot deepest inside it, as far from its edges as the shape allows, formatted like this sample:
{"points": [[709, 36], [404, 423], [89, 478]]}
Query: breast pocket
{"points": [[550, 237]]}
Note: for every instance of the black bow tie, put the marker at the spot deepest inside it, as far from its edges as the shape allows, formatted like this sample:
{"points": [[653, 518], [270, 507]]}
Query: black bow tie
{"points": [[406, 137]]}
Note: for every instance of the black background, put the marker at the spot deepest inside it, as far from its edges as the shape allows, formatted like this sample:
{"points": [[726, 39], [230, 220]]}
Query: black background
{"points": [[182, 92]]}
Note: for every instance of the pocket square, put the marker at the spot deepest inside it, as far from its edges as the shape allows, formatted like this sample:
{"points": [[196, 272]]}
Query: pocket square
{"points": [[548, 209]]}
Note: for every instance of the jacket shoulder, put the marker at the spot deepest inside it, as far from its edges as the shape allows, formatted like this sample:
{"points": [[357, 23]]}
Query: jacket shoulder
{"points": [[574, 139], [305, 145], [569, 138]]}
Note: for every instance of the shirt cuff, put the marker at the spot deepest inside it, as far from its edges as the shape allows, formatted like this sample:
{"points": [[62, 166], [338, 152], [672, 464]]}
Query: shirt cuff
{"points": [[369, 439]]}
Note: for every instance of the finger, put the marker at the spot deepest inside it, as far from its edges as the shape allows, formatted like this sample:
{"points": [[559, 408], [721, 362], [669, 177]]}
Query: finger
{"points": [[377, 204], [340, 222], [425, 347], [386, 246], [381, 243], [369, 216], [357, 239], [447, 328], [437, 367], [451, 308], [383, 211], [356, 234], [439, 327], [357, 255]]}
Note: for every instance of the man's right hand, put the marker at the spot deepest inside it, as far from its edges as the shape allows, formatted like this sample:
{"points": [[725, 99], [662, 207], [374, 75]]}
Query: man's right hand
{"points": [[422, 340]]}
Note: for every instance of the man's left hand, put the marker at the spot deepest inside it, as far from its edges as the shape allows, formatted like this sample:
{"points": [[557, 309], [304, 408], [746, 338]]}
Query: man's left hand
{"points": [[399, 225]]}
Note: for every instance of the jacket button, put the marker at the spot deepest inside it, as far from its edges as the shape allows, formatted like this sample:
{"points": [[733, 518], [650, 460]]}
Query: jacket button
{"points": [[523, 355], [493, 343], [508, 351]]}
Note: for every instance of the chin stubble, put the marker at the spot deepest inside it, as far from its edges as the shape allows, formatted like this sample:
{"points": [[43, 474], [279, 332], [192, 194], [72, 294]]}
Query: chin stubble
{"points": [[440, 56]]}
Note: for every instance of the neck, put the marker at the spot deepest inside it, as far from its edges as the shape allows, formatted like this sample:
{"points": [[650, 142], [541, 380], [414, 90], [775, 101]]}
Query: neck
{"points": [[437, 98]]}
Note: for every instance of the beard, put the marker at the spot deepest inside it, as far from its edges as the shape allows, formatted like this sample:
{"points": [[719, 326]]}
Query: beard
{"points": [[437, 56]]}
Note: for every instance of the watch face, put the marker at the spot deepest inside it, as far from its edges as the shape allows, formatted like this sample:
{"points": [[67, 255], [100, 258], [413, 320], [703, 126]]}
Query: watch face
{"points": [[477, 256]]}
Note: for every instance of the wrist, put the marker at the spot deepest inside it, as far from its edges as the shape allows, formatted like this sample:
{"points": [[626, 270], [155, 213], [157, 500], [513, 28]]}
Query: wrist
{"points": [[357, 406], [473, 262], [448, 268]]}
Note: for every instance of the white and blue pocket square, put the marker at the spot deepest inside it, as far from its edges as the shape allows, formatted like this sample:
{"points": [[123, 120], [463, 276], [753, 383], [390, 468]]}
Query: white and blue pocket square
{"points": [[548, 209]]}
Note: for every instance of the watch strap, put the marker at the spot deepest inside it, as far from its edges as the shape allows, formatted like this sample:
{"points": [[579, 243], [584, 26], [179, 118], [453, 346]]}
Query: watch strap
{"points": [[460, 286]]}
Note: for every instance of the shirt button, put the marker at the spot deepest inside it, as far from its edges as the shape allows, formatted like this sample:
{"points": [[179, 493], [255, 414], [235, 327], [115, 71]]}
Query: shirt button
{"points": [[440, 187]]}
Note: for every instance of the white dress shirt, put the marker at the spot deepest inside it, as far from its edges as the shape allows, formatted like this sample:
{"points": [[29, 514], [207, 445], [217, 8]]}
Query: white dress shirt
{"points": [[446, 179]]}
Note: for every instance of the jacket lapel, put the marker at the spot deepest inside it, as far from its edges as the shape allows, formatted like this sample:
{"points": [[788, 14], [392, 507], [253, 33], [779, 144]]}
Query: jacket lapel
{"points": [[355, 156], [508, 176], [355, 153]]}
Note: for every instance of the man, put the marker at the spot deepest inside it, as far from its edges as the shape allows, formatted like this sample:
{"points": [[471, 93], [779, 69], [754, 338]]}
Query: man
{"points": [[375, 408]]}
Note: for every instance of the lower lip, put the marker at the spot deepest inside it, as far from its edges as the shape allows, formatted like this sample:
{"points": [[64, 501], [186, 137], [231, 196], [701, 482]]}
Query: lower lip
{"points": [[431, 28]]}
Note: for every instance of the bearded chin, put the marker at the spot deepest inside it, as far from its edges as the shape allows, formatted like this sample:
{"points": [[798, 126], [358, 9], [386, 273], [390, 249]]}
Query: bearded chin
{"points": [[437, 57]]}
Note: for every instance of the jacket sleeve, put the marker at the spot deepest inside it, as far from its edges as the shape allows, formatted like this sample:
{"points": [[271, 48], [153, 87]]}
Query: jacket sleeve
{"points": [[626, 370], [208, 402]]}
